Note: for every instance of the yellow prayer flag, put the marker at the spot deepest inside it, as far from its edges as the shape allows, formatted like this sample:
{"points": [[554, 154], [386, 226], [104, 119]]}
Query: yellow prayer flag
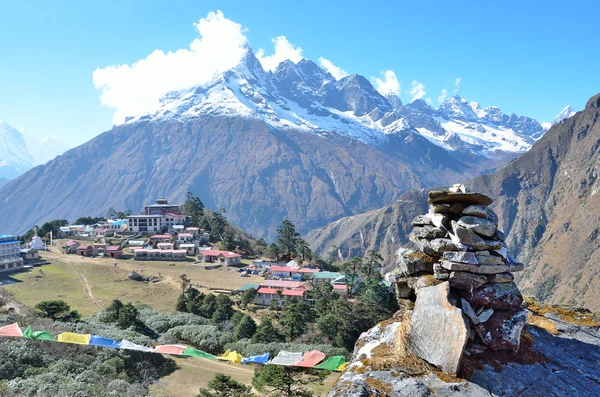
{"points": [[69, 337]]}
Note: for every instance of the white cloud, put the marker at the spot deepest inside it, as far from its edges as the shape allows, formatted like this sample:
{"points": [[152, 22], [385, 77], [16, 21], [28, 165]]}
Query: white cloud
{"points": [[136, 89], [457, 84], [284, 50], [443, 95], [417, 91], [389, 83], [429, 101], [335, 71]]}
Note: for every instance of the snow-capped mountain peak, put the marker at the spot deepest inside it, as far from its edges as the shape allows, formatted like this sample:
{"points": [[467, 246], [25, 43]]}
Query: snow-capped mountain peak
{"points": [[567, 112], [304, 96], [19, 152]]}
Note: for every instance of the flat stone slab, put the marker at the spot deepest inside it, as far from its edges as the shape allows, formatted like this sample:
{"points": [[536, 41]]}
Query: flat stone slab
{"points": [[438, 332], [444, 197], [497, 296], [428, 232], [490, 260], [461, 257], [479, 269], [501, 278], [466, 280]]}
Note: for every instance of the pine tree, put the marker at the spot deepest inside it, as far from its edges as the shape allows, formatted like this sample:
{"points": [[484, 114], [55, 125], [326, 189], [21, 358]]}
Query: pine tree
{"points": [[194, 208], [267, 333], [279, 380], [245, 329], [287, 239], [224, 386]]}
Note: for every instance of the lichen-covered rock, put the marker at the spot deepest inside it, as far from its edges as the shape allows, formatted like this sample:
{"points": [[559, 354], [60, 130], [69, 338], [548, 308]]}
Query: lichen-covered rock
{"points": [[438, 332], [503, 329], [413, 262], [497, 296]]}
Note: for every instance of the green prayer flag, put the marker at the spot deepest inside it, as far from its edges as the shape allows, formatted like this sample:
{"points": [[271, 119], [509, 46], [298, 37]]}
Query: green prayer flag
{"points": [[190, 351], [332, 363], [38, 335]]}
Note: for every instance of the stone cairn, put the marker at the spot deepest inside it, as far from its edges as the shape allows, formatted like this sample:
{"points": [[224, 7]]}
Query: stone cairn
{"points": [[461, 277]]}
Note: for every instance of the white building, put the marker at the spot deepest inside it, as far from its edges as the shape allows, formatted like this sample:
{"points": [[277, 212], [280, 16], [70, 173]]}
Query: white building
{"points": [[10, 253], [156, 217]]}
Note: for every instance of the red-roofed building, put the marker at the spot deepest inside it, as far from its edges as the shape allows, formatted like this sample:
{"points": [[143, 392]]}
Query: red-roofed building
{"points": [[162, 238], [99, 233], [295, 273], [265, 295], [114, 251], [225, 258], [85, 250]]}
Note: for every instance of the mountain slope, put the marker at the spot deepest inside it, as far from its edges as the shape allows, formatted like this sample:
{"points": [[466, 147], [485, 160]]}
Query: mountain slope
{"points": [[547, 201], [260, 175]]}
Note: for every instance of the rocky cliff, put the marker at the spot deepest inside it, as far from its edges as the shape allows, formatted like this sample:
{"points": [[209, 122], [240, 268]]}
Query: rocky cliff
{"points": [[546, 202]]}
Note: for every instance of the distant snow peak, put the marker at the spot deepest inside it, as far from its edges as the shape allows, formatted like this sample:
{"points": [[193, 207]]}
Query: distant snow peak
{"points": [[567, 112], [302, 95], [20, 152]]}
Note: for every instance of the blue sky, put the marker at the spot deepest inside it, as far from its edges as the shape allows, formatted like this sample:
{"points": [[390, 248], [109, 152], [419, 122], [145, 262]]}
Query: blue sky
{"points": [[532, 58]]}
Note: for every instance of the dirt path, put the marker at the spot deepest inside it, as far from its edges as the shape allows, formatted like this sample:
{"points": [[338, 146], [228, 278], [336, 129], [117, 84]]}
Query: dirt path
{"points": [[86, 287]]}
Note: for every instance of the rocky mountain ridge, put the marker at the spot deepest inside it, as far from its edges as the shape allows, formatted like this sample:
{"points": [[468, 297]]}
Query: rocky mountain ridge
{"points": [[303, 96]]}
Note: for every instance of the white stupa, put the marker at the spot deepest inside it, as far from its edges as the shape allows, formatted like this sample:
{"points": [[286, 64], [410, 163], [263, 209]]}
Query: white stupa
{"points": [[37, 243]]}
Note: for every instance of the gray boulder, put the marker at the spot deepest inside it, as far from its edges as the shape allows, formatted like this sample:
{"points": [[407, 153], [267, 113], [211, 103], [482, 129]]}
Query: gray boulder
{"points": [[503, 329], [428, 232], [497, 296], [438, 332], [466, 280], [480, 226], [467, 236], [500, 278], [490, 260], [421, 220], [480, 269]]}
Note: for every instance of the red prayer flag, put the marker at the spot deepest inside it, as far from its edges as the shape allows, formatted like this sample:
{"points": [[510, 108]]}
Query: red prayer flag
{"points": [[11, 330]]}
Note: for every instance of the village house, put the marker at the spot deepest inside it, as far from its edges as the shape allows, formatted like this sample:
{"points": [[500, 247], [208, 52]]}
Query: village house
{"points": [[70, 247], [117, 226], [185, 237], [224, 258], [114, 252], [159, 255], [162, 238], [165, 246], [100, 233], [85, 250], [295, 273], [30, 254], [10, 253], [266, 295], [190, 248]]}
